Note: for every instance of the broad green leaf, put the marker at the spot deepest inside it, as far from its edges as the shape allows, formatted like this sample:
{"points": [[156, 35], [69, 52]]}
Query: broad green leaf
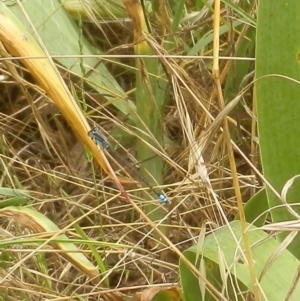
{"points": [[227, 243], [278, 101]]}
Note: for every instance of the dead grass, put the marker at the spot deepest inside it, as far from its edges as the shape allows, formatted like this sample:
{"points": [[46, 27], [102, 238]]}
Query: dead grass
{"points": [[41, 154]]}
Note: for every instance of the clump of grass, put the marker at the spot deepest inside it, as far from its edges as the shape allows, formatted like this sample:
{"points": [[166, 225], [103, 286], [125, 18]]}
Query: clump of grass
{"points": [[41, 151]]}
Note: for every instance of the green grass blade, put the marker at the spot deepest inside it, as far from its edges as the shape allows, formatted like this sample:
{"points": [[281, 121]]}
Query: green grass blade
{"points": [[278, 105], [149, 108]]}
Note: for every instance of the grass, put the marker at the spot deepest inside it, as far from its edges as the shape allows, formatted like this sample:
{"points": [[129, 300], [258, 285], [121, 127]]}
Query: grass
{"points": [[92, 231]]}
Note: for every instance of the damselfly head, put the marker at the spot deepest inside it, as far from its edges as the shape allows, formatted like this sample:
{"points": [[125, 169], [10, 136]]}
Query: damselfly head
{"points": [[93, 131]]}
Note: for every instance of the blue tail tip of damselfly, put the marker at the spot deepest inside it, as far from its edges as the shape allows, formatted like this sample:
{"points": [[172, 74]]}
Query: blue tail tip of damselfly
{"points": [[163, 199]]}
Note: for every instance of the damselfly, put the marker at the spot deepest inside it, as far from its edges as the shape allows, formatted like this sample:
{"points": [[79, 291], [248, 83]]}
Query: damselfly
{"points": [[101, 141]]}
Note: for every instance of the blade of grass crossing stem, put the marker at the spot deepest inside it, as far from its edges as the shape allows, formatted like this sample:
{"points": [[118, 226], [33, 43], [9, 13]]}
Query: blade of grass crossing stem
{"points": [[171, 41], [100, 263]]}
